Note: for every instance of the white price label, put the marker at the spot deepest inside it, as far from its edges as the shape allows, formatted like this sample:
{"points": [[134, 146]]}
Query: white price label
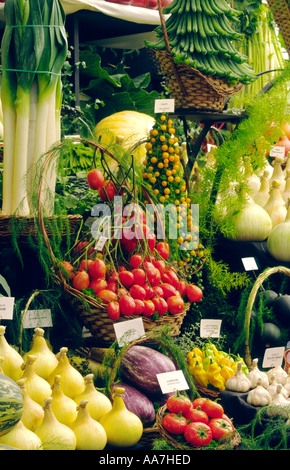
{"points": [[277, 152], [273, 357], [164, 106], [210, 328], [101, 243], [37, 318], [172, 381], [6, 308], [129, 330], [249, 264]]}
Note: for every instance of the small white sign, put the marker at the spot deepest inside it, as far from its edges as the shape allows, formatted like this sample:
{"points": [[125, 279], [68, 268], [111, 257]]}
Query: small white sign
{"points": [[86, 333], [172, 381], [273, 357], [164, 106], [37, 318], [277, 152], [249, 264], [210, 328], [6, 308], [129, 330], [101, 243]]}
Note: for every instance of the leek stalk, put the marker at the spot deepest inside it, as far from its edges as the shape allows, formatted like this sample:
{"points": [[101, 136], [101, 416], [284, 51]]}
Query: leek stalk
{"points": [[34, 48]]}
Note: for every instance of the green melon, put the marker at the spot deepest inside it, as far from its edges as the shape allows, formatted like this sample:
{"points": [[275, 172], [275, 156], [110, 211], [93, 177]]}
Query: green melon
{"points": [[11, 404]]}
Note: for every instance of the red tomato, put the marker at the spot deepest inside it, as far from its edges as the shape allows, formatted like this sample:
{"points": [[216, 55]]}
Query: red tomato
{"points": [[212, 408], [197, 402], [220, 428], [194, 293], [196, 415], [97, 269], [130, 245], [198, 434], [157, 278], [168, 290], [122, 268], [159, 264], [149, 308], [81, 246], [113, 286], [178, 404], [95, 179], [163, 249], [85, 264], [139, 276], [226, 418], [98, 284], [182, 288], [161, 306], [127, 305], [175, 304], [174, 424], [126, 278], [113, 309], [158, 291], [107, 191], [81, 280], [136, 261], [151, 240], [139, 307], [170, 277], [149, 291], [107, 296], [122, 292], [137, 292], [69, 269], [150, 271]]}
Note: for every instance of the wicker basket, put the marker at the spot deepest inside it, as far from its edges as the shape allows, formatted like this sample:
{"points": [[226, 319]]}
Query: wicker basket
{"points": [[230, 444], [251, 300], [190, 88], [154, 337], [281, 12]]}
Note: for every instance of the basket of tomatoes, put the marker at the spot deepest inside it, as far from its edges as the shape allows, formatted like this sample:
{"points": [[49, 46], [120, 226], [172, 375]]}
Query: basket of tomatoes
{"points": [[197, 424]]}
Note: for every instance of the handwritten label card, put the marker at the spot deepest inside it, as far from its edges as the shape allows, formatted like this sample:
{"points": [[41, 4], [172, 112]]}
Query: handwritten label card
{"points": [[164, 106], [273, 357], [6, 308], [129, 330], [171, 381], [210, 328], [249, 263], [37, 318]]}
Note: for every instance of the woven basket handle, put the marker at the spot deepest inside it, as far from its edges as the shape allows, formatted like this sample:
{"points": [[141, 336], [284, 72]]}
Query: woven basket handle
{"points": [[169, 48]]}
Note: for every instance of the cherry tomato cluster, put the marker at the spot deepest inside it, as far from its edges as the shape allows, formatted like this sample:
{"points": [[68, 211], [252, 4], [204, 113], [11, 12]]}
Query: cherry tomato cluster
{"points": [[146, 286], [200, 421], [106, 188]]}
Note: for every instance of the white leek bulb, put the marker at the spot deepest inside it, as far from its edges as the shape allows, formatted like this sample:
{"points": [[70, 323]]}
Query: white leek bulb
{"points": [[261, 197], [253, 180], [275, 205], [46, 361], [286, 192], [72, 382], [64, 408], [37, 387], [32, 415], [278, 243], [98, 403], [89, 433], [21, 438], [53, 434], [278, 174], [12, 360], [252, 223]]}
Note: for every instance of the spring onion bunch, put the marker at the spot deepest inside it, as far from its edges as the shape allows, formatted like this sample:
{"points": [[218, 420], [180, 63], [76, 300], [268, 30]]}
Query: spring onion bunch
{"points": [[33, 51]]}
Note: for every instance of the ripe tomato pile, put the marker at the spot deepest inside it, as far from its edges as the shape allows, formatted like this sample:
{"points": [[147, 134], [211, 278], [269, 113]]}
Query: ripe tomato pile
{"points": [[200, 422]]}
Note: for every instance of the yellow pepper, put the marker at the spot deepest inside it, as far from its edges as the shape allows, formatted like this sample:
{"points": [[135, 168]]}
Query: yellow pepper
{"points": [[214, 376], [192, 359], [226, 361], [200, 375], [226, 372], [197, 352]]}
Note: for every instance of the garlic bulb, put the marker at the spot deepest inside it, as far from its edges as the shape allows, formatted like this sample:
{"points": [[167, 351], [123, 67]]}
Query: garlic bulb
{"points": [[21, 438], [252, 223], [12, 360], [53, 434], [37, 388], [259, 396], [272, 389], [32, 415], [63, 407], [287, 383], [278, 174], [275, 205], [256, 375], [238, 382], [286, 192], [280, 406], [72, 382], [89, 433], [279, 374], [46, 361], [98, 403], [278, 242], [261, 197]]}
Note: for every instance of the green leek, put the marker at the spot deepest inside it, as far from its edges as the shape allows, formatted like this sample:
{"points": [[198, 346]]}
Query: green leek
{"points": [[34, 49]]}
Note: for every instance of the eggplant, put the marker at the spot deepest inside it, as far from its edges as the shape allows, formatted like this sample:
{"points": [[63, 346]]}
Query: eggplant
{"points": [[281, 309], [137, 403]]}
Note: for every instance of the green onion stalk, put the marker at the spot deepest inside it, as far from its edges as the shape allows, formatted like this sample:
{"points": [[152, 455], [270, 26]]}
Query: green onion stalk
{"points": [[264, 52], [33, 51]]}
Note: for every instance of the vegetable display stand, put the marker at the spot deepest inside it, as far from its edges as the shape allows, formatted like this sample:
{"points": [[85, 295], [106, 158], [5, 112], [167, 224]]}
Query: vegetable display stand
{"points": [[155, 339], [230, 444], [251, 300]]}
